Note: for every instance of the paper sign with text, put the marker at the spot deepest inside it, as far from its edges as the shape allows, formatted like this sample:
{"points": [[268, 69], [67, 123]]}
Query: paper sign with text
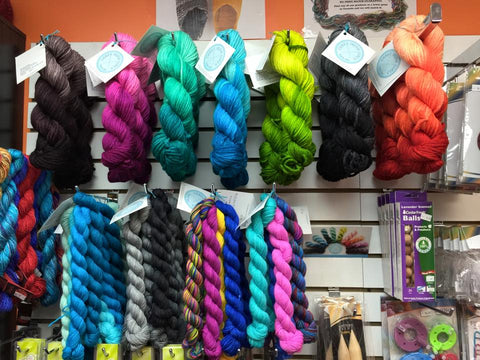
{"points": [[30, 62]]}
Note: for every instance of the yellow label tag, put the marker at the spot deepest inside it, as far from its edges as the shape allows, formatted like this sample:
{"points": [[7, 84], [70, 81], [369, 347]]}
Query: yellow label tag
{"points": [[108, 352], [55, 350], [172, 352], [30, 349], [145, 353]]}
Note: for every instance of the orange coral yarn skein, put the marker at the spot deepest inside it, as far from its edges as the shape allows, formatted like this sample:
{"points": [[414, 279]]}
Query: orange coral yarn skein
{"points": [[410, 135]]}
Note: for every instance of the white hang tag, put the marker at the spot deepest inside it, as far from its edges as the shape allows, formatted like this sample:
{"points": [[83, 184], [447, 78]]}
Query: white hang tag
{"points": [[386, 68], [214, 58], [189, 196], [264, 57], [98, 89], [447, 244], [303, 219], [261, 78], [58, 229], [149, 41], [131, 208], [242, 202], [30, 62], [108, 62], [349, 53], [54, 218], [248, 219]]}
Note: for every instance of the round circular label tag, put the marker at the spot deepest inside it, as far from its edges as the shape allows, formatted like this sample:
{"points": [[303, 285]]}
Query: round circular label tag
{"points": [[349, 51], [213, 57], [193, 197], [109, 61], [388, 63]]}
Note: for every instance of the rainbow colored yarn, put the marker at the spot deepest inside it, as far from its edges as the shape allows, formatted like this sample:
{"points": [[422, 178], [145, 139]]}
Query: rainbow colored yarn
{"points": [[229, 154]]}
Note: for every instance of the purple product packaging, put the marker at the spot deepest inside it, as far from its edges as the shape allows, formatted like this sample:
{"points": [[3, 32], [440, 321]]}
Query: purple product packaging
{"points": [[415, 246]]}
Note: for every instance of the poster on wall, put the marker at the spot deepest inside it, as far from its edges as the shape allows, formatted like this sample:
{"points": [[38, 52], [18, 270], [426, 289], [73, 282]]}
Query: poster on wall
{"points": [[338, 241], [202, 19], [375, 17]]}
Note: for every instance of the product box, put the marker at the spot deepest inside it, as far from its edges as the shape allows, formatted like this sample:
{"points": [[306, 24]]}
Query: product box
{"points": [[415, 250]]}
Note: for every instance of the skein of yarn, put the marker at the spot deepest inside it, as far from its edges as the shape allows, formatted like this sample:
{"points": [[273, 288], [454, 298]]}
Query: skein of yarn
{"points": [[129, 118], [62, 117], [410, 135], [66, 275], [229, 154], [5, 161], [345, 121], [194, 287], [173, 146], [288, 146]]}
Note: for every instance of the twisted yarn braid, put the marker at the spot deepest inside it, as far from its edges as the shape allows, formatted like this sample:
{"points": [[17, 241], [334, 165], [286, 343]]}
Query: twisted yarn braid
{"points": [[194, 286], [173, 146], [137, 332], [303, 317], [263, 317], [9, 216], [5, 162], [28, 260], [290, 339], [66, 274], [62, 117], [46, 239], [213, 300], [229, 154], [149, 261], [221, 242], [345, 121], [234, 331], [128, 118], [410, 135], [288, 145], [79, 232]]}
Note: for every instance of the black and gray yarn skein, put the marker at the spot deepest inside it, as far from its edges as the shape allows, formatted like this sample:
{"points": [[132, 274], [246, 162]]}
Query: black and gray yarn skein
{"points": [[167, 285], [345, 121], [62, 116], [136, 330]]}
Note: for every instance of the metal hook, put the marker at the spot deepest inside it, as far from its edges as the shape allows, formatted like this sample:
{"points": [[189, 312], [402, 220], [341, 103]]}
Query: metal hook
{"points": [[77, 189], [116, 39], [50, 351], [288, 37], [212, 190], [19, 349], [274, 188], [173, 36], [104, 351], [172, 354], [145, 188], [42, 39]]}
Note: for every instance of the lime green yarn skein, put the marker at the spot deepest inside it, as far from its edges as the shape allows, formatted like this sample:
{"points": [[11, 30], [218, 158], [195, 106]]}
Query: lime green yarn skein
{"points": [[174, 145], [288, 146]]}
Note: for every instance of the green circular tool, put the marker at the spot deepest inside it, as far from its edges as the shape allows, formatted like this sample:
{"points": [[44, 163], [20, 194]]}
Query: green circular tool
{"points": [[443, 330]]}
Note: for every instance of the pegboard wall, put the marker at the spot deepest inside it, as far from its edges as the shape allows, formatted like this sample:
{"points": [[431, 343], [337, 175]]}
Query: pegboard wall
{"points": [[348, 202]]}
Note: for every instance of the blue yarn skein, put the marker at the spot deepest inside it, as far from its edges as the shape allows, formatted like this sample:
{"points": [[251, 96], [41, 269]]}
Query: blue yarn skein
{"points": [[79, 232], [173, 146], [263, 318], [46, 239], [229, 154], [242, 248], [9, 215], [235, 329], [93, 258], [65, 221]]}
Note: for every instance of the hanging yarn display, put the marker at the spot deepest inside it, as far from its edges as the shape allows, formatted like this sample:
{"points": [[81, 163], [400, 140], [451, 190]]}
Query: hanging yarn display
{"points": [[410, 135], [129, 118], [62, 117], [345, 121], [288, 146], [229, 154], [173, 146]]}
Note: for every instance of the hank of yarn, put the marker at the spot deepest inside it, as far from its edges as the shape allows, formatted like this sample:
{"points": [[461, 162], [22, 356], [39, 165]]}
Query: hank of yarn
{"points": [[345, 121], [410, 135], [173, 146], [62, 116], [288, 146], [128, 119], [229, 154], [5, 161], [66, 283]]}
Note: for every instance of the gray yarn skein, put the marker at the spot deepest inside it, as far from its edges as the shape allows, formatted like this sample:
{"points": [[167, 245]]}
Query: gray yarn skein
{"points": [[148, 259], [136, 329]]}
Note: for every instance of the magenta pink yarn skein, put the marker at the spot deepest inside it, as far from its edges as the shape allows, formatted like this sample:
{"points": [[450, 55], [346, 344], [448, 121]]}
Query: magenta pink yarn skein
{"points": [[129, 119]]}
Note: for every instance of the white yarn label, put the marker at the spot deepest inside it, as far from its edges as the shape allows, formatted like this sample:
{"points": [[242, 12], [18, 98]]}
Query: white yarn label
{"points": [[265, 56], [248, 219], [94, 88], [108, 62], [30, 62], [214, 58], [303, 219], [261, 78], [386, 68], [130, 209], [58, 230], [349, 53], [189, 196], [149, 41], [54, 218]]}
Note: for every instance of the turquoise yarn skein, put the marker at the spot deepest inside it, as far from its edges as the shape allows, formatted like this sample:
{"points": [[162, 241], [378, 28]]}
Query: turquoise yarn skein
{"points": [[229, 154], [66, 275], [173, 146]]}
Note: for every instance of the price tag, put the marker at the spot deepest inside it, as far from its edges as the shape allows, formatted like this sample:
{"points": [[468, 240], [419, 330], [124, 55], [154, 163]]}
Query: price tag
{"points": [[54, 218], [30, 349], [349, 53], [172, 352], [55, 350], [131, 208], [145, 353], [303, 218], [214, 58], [108, 62], [108, 352], [30, 62], [386, 68]]}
